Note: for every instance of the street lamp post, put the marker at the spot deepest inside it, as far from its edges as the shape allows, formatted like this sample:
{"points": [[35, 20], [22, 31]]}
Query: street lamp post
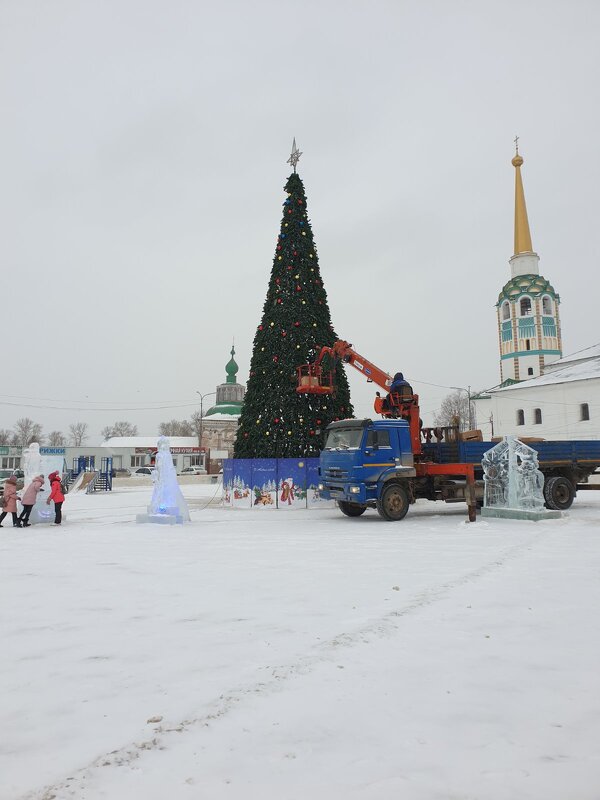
{"points": [[202, 396], [468, 391]]}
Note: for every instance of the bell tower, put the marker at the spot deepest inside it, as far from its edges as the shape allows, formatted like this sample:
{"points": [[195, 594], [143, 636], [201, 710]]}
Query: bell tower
{"points": [[527, 308]]}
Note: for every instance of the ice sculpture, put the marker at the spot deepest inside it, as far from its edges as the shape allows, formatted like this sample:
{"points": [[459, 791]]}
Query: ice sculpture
{"points": [[32, 462], [514, 486], [168, 506]]}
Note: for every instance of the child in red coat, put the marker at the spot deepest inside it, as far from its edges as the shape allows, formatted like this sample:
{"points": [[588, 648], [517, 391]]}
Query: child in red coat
{"points": [[56, 494]]}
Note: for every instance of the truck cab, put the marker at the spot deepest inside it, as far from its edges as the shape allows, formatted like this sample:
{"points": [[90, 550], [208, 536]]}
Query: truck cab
{"points": [[365, 461]]}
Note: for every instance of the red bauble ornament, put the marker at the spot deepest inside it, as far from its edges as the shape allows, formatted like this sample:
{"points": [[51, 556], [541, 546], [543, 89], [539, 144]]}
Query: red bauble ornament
{"points": [[290, 211], [295, 253], [276, 420], [279, 299], [260, 327], [318, 422], [312, 433], [284, 333], [298, 288], [277, 281], [245, 436], [296, 324], [275, 359]]}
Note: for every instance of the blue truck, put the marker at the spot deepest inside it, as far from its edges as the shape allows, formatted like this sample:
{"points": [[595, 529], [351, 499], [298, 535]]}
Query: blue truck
{"points": [[370, 464], [389, 463]]}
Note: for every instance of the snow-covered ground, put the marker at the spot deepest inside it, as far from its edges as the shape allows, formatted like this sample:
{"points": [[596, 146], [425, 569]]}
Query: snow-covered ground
{"points": [[300, 654]]}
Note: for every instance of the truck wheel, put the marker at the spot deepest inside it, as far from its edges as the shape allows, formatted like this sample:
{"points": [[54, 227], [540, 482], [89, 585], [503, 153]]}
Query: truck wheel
{"points": [[559, 493], [393, 503], [351, 509]]}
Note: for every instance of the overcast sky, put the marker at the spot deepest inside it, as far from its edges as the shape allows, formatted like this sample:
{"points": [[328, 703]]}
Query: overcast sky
{"points": [[143, 148]]}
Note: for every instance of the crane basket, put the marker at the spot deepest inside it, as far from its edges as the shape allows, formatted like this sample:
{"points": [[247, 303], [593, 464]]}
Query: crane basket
{"points": [[312, 379]]}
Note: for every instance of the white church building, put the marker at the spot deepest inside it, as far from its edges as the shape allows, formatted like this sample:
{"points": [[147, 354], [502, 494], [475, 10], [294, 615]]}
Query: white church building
{"points": [[541, 394], [563, 403]]}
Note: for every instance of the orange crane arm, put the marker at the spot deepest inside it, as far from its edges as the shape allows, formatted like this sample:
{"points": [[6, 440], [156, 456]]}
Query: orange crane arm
{"points": [[344, 351]]}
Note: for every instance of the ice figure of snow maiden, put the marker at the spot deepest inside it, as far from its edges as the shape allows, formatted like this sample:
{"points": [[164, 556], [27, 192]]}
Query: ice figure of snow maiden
{"points": [[167, 504], [531, 480]]}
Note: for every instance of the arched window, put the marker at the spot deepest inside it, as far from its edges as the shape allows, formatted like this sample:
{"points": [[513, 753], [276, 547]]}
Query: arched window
{"points": [[547, 306], [525, 306], [520, 416], [537, 416], [505, 310], [585, 411]]}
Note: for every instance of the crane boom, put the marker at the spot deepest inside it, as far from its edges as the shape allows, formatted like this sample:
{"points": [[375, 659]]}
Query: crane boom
{"points": [[313, 379], [343, 350]]}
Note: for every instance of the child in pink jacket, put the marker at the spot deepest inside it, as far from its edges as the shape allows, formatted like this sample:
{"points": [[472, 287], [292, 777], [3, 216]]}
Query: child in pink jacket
{"points": [[29, 498], [9, 504]]}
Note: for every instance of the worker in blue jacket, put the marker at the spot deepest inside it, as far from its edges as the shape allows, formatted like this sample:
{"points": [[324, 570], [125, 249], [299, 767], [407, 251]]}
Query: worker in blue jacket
{"points": [[400, 386]]}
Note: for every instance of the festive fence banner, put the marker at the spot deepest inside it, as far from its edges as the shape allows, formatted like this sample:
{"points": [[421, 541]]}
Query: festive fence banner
{"points": [[272, 483], [291, 483], [264, 482], [228, 482], [241, 493], [313, 499]]}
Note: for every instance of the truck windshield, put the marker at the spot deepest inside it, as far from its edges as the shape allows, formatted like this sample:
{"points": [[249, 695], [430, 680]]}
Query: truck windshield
{"points": [[344, 439]]}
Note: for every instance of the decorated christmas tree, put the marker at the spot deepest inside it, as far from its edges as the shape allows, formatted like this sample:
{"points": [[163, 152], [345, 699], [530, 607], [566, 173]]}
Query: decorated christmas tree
{"points": [[276, 421]]}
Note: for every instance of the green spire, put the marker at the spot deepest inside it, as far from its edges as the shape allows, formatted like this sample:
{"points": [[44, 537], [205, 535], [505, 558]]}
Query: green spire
{"points": [[231, 368]]}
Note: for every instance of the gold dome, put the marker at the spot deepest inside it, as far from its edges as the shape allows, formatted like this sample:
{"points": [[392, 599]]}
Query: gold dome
{"points": [[517, 161]]}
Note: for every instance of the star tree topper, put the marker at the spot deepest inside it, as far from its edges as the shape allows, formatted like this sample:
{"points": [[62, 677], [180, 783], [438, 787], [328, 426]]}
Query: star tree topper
{"points": [[295, 157]]}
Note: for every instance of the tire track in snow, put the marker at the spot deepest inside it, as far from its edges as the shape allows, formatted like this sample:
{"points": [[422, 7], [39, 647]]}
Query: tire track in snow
{"points": [[165, 735]]}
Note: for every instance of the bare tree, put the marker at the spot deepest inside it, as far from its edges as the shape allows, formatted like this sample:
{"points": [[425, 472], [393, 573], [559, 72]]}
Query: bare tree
{"points": [[5, 436], [454, 410], [197, 426], [78, 433], [121, 428], [176, 428], [26, 432], [56, 439]]}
